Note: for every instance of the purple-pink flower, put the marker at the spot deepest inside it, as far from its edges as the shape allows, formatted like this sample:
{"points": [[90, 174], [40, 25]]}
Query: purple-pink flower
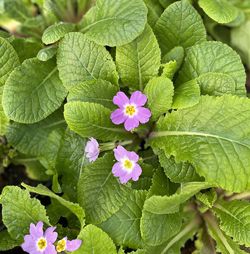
{"points": [[126, 167], [131, 111], [38, 242], [92, 149], [66, 245]]}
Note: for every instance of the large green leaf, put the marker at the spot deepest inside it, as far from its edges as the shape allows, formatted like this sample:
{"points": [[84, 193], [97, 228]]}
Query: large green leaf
{"points": [[99, 192], [124, 226], [160, 91], [73, 207], [235, 220], [210, 136], [39, 89], [115, 22], [8, 60], [222, 11], [75, 67], [91, 119], [19, 210], [6, 242], [213, 57], [179, 25], [139, 61], [95, 241]]}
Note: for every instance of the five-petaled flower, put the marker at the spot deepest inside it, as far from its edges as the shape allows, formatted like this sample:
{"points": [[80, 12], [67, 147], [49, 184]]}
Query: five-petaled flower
{"points": [[131, 111], [38, 242], [127, 167], [92, 149], [66, 245]]}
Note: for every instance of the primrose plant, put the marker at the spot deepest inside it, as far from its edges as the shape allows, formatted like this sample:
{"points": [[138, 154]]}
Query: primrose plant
{"points": [[132, 121]]}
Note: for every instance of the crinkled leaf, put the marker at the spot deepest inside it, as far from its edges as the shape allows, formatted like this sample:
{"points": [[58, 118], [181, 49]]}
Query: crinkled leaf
{"points": [[139, 61], [75, 67], [33, 91], [207, 198], [175, 54]]}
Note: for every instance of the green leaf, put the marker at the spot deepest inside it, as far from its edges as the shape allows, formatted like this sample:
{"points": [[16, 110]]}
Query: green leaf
{"points": [[56, 32], [4, 121], [39, 89], [169, 69], [99, 192], [19, 210], [75, 67], [186, 95], [154, 11], [182, 17], [171, 204], [213, 57], [207, 198], [235, 220], [160, 91], [92, 120], [6, 242], [115, 22], [175, 54], [209, 135], [47, 53], [139, 61], [95, 241], [8, 60], [222, 11], [124, 226], [97, 91], [73, 207]]}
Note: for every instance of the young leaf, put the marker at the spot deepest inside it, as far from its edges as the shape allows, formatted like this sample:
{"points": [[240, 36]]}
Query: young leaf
{"points": [[175, 54], [115, 22], [97, 91], [19, 212], [75, 67], [213, 57], [139, 61], [95, 241], [235, 220], [47, 53], [99, 192], [92, 120], [209, 136], [6, 242], [40, 91], [182, 17], [222, 11], [124, 225], [207, 198], [160, 91]]}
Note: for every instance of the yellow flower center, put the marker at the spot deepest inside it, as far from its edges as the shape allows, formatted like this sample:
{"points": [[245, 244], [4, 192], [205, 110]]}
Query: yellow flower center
{"points": [[130, 110], [41, 244], [61, 245], [128, 165]]}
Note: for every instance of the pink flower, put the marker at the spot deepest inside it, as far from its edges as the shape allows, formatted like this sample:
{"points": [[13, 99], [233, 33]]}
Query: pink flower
{"points": [[127, 167], [130, 111], [66, 245], [38, 242], [92, 149]]}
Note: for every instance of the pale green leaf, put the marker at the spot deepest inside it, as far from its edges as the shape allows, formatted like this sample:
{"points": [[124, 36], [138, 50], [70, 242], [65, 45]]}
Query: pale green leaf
{"points": [[154, 11], [222, 11], [124, 226], [159, 91], [209, 135], [169, 69], [95, 241], [4, 121], [99, 192], [19, 210], [47, 53], [175, 54], [33, 91], [115, 22], [75, 67], [186, 95], [179, 25], [207, 198], [139, 61], [92, 120], [97, 91], [6, 242], [213, 57]]}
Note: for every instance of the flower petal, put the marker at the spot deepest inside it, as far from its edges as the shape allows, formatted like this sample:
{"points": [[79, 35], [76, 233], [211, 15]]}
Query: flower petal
{"points": [[117, 170], [120, 152], [124, 179], [51, 249], [120, 99], [136, 172], [50, 235], [143, 115], [36, 230], [73, 245], [29, 243], [138, 98], [133, 156], [117, 116], [131, 123]]}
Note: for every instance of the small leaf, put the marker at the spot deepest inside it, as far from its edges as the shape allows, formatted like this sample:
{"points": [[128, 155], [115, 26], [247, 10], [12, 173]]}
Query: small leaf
{"points": [[154, 11], [175, 54], [207, 198], [75, 67], [47, 53]]}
